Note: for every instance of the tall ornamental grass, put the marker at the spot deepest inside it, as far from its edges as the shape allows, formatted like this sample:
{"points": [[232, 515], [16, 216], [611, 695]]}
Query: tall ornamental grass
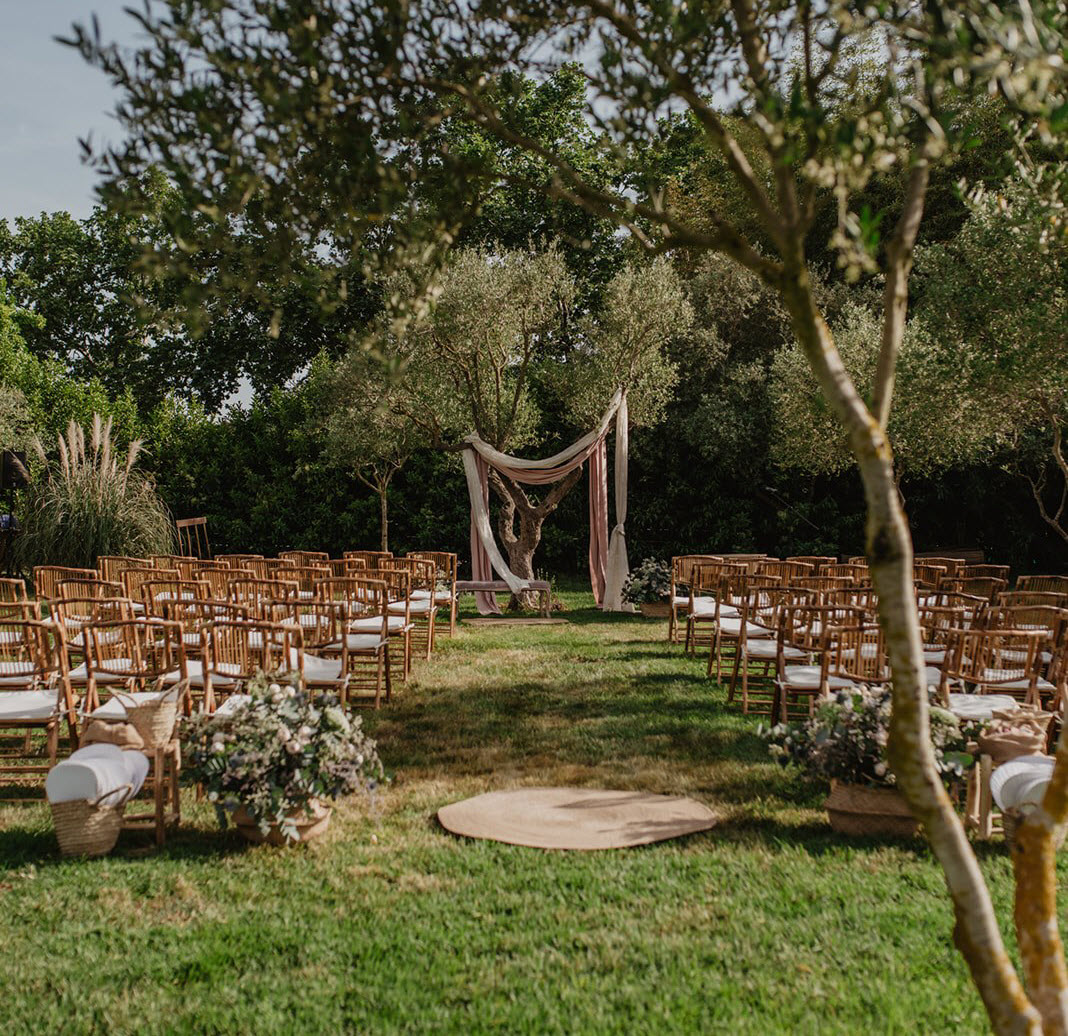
{"points": [[90, 501]]}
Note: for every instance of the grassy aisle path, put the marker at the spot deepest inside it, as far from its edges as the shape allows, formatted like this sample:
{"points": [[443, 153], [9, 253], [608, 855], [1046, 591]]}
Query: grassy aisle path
{"points": [[766, 924]]}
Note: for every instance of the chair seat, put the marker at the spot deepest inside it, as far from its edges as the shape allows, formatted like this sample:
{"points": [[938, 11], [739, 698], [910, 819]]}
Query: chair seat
{"points": [[113, 708], [765, 648], [413, 607], [807, 678], [116, 667], [28, 706], [732, 625], [222, 674], [359, 642], [320, 670], [440, 597], [705, 608], [934, 656], [980, 706], [373, 624], [1023, 684]]}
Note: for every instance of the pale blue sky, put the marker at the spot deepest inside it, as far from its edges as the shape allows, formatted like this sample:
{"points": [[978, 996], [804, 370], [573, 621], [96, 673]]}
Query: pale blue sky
{"points": [[49, 97]]}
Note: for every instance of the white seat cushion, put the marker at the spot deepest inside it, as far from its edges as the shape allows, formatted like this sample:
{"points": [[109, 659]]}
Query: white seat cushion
{"points": [[705, 608], [767, 648], [440, 596], [320, 670], [360, 642], [27, 705], [232, 704], [16, 674], [807, 677], [980, 706], [222, 674], [114, 709], [79, 674], [1022, 685], [373, 624], [732, 625], [94, 771], [413, 607]]}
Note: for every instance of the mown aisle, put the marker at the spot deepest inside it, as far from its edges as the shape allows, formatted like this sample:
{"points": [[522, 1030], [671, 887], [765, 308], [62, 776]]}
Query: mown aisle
{"points": [[765, 924]]}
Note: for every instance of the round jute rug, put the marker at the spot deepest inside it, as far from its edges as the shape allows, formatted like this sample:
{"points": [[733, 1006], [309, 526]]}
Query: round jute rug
{"points": [[575, 818]]}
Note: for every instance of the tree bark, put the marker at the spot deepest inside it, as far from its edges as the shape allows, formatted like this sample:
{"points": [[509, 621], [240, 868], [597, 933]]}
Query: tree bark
{"points": [[520, 546], [383, 516], [910, 752]]}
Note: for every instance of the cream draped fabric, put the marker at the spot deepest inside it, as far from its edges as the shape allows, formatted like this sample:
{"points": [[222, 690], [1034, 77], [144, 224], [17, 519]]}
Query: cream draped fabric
{"points": [[607, 559]]}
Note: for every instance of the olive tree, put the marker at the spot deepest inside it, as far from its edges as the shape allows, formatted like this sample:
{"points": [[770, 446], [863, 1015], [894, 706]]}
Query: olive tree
{"points": [[500, 352], [312, 126]]}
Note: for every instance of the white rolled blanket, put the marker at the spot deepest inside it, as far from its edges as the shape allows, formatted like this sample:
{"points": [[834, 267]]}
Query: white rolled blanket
{"points": [[94, 771]]}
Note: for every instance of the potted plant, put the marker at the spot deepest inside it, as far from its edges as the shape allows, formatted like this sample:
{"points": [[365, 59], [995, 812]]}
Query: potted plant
{"points": [[845, 741], [275, 762], [649, 587]]}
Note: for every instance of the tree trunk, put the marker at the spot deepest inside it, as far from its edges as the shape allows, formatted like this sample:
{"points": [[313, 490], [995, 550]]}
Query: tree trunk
{"points": [[910, 752], [519, 547], [383, 515]]}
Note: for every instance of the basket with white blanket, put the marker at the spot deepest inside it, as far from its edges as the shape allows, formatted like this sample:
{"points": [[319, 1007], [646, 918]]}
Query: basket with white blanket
{"points": [[88, 793]]}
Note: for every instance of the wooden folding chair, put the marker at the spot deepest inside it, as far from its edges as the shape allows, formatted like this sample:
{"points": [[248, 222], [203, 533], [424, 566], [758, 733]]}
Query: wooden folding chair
{"points": [[233, 651], [256, 594], [325, 653], [420, 606], [46, 578], [35, 691], [111, 566], [997, 661], [1045, 584], [445, 566], [193, 537], [683, 574]]}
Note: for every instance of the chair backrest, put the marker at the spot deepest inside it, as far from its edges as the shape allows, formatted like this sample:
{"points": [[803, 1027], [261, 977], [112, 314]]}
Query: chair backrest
{"points": [[156, 592], [445, 564], [362, 596], [134, 578], [987, 659], [422, 575], [802, 623], [855, 652], [238, 560], [88, 588], [218, 578], [33, 654], [951, 565], [193, 537], [236, 650], [137, 651], [322, 623], [684, 570], [1031, 598], [857, 571], [815, 560], [824, 584], [111, 566], [1047, 584], [986, 587], [256, 593], [305, 557], [75, 613], [371, 558], [12, 591], [983, 572], [860, 598], [305, 576], [927, 576], [46, 577], [937, 621], [1041, 617], [785, 571]]}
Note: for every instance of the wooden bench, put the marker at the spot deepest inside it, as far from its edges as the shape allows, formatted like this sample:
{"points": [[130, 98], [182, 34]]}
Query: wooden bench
{"points": [[499, 586]]}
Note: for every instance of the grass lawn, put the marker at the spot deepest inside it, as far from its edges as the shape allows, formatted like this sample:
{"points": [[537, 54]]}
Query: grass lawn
{"points": [[767, 923]]}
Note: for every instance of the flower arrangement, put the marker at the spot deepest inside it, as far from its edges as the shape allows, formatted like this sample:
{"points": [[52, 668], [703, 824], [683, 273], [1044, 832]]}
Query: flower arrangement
{"points": [[846, 740], [649, 582], [278, 753]]}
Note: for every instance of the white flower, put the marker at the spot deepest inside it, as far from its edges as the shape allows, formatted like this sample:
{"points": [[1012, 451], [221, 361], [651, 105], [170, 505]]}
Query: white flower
{"points": [[880, 769]]}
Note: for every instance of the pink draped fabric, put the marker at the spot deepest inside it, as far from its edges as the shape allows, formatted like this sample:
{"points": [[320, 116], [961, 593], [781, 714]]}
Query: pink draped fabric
{"points": [[598, 520], [482, 569]]}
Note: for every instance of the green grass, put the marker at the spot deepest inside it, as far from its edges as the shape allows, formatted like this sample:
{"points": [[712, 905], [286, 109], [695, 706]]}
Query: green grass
{"points": [[768, 923]]}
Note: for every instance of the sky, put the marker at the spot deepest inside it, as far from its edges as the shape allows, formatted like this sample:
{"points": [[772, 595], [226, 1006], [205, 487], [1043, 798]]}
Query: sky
{"points": [[49, 98]]}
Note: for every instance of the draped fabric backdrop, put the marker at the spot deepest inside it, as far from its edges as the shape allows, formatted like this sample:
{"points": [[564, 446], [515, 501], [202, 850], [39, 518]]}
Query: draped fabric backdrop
{"points": [[608, 560]]}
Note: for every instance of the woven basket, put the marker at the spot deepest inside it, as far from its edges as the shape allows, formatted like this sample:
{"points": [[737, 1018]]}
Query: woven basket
{"points": [[86, 828], [154, 720], [855, 809]]}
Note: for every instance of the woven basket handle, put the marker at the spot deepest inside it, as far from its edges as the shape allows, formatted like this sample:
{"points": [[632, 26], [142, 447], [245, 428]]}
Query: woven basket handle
{"points": [[127, 788]]}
